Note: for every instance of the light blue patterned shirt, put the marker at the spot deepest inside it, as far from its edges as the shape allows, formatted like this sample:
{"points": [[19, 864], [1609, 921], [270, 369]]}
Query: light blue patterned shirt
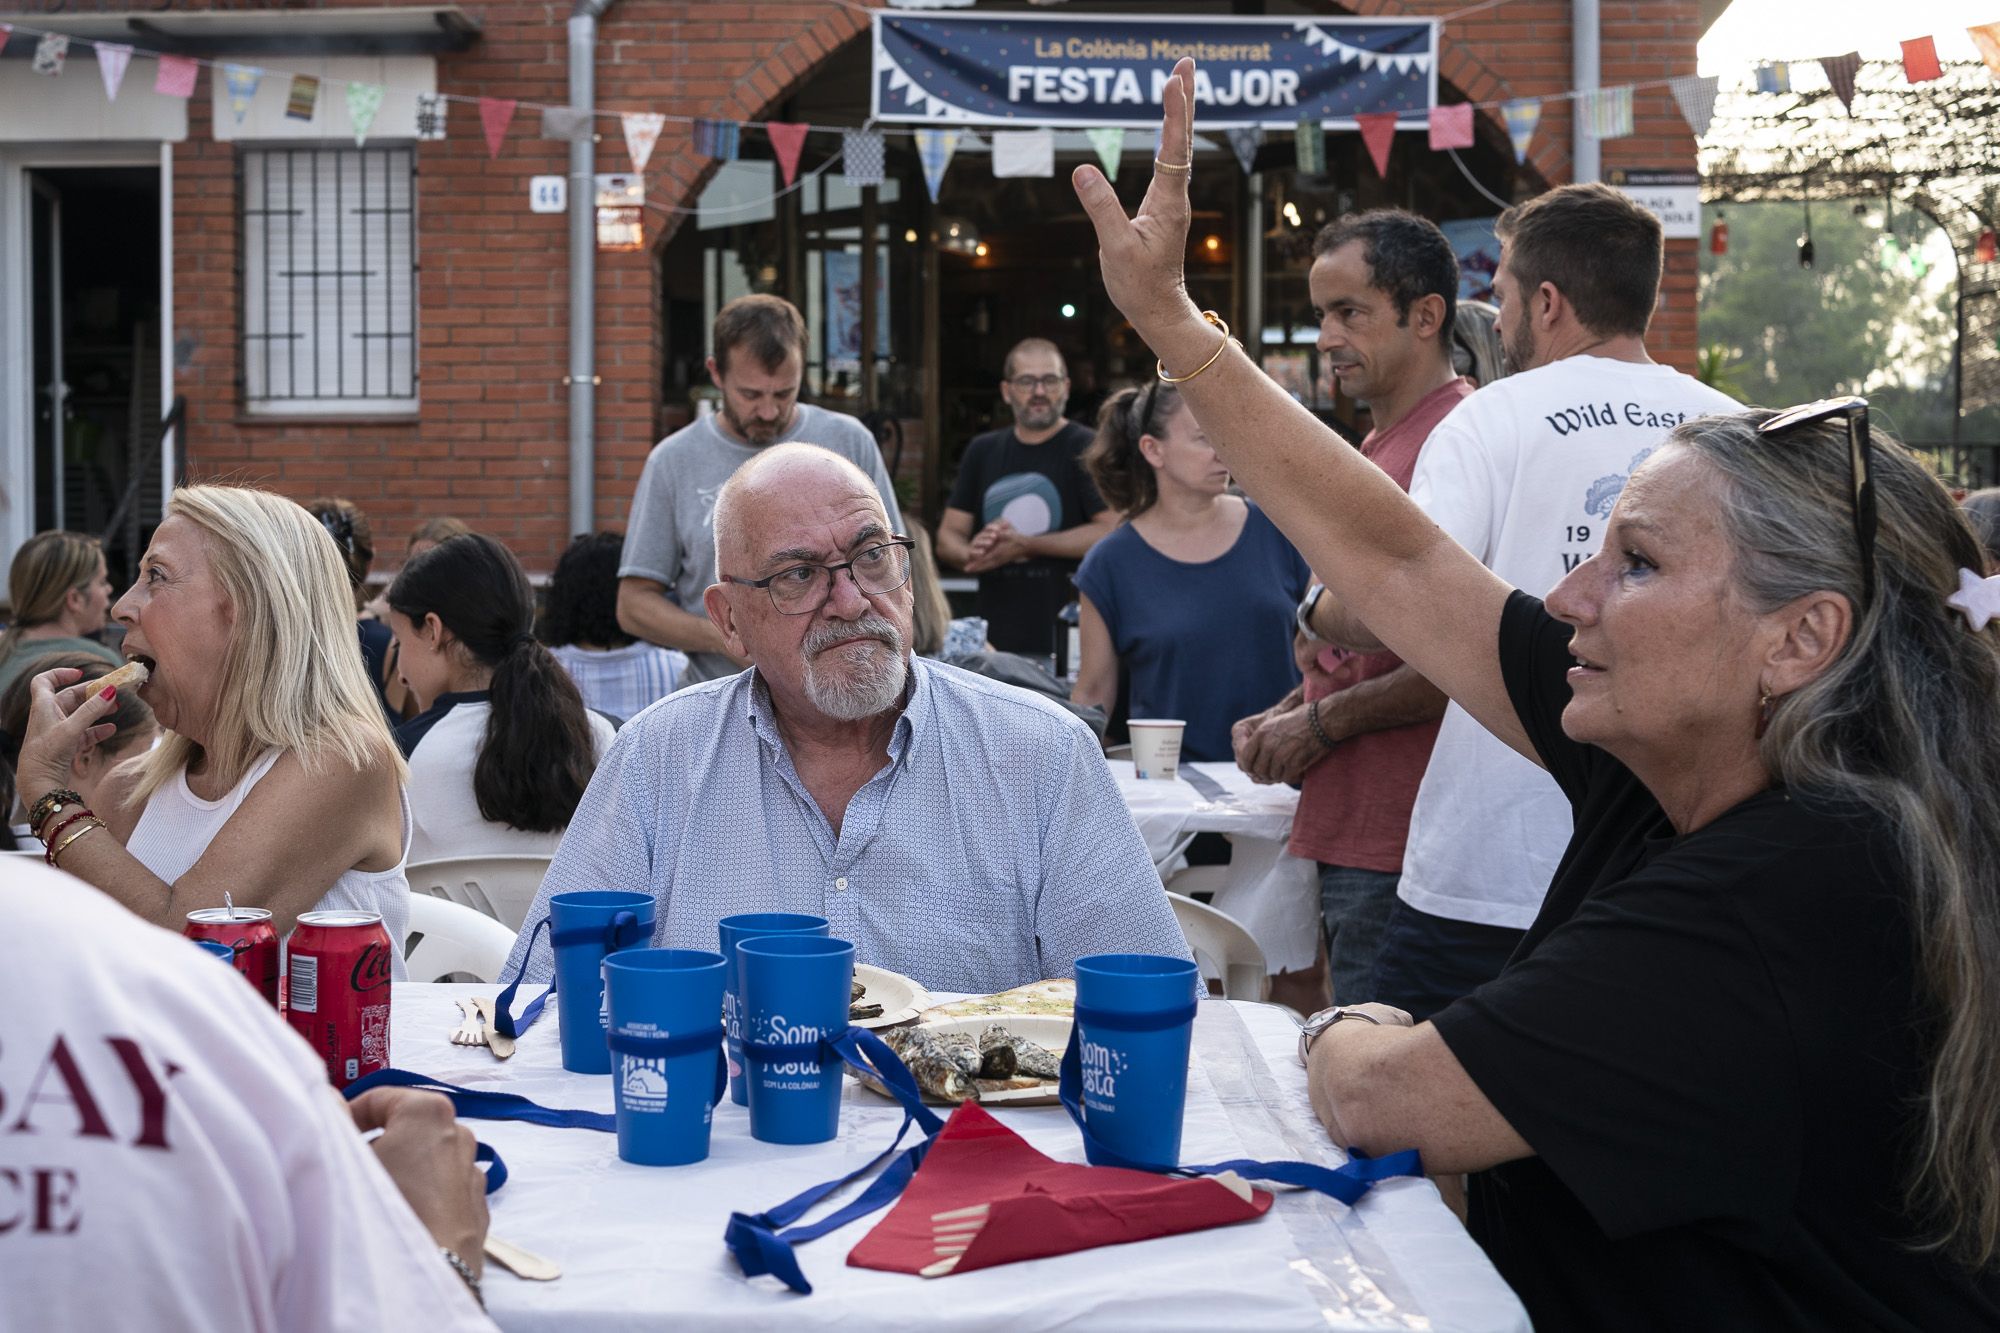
{"points": [[991, 850]]}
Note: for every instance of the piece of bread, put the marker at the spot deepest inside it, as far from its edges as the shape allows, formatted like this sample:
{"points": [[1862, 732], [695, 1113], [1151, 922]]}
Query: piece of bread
{"points": [[130, 676]]}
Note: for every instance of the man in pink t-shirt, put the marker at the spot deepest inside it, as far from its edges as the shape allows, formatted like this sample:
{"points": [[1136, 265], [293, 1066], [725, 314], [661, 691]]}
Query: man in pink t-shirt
{"points": [[1358, 730]]}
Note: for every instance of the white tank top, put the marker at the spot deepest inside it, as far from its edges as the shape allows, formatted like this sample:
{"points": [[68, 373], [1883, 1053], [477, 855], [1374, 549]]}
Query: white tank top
{"points": [[176, 827]]}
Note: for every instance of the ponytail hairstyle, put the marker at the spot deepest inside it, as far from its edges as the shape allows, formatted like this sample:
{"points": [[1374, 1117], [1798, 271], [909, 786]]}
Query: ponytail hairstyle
{"points": [[538, 753], [1906, 722], [48, 567], [1114, 460], [351, 533]]}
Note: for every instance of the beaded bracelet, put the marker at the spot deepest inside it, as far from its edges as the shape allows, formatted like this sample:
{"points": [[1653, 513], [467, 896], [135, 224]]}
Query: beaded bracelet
{"points": [[464, 1271], [56, 832], [1312, 720], [47, 805]]}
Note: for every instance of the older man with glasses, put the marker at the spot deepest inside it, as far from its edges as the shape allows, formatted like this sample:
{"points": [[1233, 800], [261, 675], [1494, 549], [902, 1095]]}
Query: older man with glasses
{"points": [[1037, 513], [957, 830]]}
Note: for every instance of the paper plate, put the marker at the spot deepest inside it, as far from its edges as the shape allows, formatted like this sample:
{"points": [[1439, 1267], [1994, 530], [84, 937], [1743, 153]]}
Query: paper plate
{"points": [[901, 998], [1045, 1030]]}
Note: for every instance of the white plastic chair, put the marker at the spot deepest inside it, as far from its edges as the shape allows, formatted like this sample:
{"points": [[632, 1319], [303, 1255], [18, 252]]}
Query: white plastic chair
{"points": [[1222, 948], [503, 887], [450, 942]]}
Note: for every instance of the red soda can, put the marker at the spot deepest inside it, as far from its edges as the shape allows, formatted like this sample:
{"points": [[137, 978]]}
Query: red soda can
{"points": [[338, 987], [250, 935]]}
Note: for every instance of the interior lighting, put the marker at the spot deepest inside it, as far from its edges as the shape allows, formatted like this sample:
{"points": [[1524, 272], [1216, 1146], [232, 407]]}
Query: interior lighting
{"points": [[1068, 310], [1292, 214], [910, 236], [980, 250], [1212, 244]]}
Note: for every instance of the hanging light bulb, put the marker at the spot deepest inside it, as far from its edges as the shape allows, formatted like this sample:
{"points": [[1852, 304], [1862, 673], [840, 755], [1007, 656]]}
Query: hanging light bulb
{"points": [[1987, 250]]}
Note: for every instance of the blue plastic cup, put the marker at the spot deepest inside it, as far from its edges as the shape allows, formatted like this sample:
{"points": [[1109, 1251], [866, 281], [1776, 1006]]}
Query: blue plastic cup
{"points": [[794, 994], [583, 928], [1135, 1022], [732, 931], [665, 1039], [217, 949]]}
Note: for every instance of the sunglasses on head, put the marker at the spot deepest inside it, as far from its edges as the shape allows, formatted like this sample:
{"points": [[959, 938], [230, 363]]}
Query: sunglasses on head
{"points": [[1860, 452]]}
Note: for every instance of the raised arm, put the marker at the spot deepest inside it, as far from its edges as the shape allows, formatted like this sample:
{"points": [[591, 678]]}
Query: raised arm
{"points": [[1421, 594]]}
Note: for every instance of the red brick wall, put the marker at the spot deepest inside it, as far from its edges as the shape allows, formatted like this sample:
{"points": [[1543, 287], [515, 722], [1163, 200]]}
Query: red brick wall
{"points": [[490, 442]]}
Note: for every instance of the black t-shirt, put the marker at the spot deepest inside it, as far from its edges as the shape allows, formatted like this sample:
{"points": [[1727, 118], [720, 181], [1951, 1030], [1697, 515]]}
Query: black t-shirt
{"points": [[1038, 488], [1714, 1045]]}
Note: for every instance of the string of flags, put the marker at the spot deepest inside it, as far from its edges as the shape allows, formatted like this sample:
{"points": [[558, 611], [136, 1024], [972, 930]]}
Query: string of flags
{"points": [[1604, 113]]}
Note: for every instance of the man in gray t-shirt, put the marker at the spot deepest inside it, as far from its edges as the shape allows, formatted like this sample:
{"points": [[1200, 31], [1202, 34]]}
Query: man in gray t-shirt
{"points": [[758, 360]]}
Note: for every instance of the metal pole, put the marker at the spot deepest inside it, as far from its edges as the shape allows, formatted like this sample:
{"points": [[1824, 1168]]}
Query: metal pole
{"points": [[1253, 268], [1584, 43], [583, 268]]}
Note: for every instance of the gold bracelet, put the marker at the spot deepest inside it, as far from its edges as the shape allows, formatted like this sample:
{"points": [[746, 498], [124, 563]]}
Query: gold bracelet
{"points": [[55, 853], [1160, 367]]}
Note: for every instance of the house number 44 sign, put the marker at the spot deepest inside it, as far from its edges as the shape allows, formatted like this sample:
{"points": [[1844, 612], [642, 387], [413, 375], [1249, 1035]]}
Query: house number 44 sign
{"points": [[548, 194]]}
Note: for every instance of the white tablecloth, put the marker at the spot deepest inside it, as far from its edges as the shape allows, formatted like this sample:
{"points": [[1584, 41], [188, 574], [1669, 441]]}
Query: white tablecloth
{"points": [[641, 1247], [1273, 893]]}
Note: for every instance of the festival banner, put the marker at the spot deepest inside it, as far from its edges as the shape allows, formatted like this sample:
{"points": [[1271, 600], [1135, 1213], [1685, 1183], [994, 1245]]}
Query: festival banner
{"points": [[1078, 71], [1378, 131], [642, 131], [112, 58], [433, 112], [50, 53], [1694, 94], [1109, 141], [495, 115], [934, 150], [1920, 60], [363, 101], [861, 158], [1775, 77], [176, 76], [1451, 126], [1243, 141], [788, 140], [1987, 38], [241, 81], [1024, 153], [302, 102], [1840, 72], [1522, 115], [1309, 148]]}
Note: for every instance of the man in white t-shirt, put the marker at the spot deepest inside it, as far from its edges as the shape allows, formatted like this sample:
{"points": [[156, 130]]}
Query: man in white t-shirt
{"points": [[172, 1157], [1523, 474]]}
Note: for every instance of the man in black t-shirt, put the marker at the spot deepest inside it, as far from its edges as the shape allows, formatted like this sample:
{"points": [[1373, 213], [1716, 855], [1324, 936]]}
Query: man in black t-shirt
{"points": [[1023, 512]]}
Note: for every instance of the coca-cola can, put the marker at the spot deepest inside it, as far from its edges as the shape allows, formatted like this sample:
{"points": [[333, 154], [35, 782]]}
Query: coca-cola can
{"points": [[338, 989], [250, 936]]}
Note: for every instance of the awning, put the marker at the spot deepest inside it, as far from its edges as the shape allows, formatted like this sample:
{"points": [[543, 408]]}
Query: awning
{"points": [[397, 30]]}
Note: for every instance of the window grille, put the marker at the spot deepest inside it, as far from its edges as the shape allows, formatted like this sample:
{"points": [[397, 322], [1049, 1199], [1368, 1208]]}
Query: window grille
{"points": [[328, 281]]}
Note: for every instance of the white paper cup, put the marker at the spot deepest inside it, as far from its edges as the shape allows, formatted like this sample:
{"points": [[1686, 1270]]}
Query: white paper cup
{"points": [[1156, 747]]}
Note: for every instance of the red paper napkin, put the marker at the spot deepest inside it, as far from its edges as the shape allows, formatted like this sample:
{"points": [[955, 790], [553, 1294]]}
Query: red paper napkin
{"points": [[984, 1197]]}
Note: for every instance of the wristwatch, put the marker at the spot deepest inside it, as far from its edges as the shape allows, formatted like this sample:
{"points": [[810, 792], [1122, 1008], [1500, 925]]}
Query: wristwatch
{"points": [[1303, 616], [1325, 1019]]}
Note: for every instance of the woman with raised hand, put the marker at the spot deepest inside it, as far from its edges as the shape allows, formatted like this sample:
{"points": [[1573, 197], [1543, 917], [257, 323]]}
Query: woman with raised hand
{"points": [[277, 782], [504, 747], [61, 595], [1741, 1072]]}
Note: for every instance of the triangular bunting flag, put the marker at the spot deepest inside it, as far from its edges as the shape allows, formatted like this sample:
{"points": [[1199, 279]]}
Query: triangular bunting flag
{"points": [[787, 142], [242, 82], [495, 114], [302, 102], [1451, 126], [566, 123], [1109, 141], [112, 58], [176, 77], [50, 53], [363, 101], [1378, 131], [1920, 60], [1775, 77], [719, 139], [861, 157], [6, 31], [642, 131], [1243, 141], [1024, 153], [1840, 72], [934, 150], [1309, 142], [1695, 96], [1522, 117], [1606, 113], [432, 109], [1987, 38]]}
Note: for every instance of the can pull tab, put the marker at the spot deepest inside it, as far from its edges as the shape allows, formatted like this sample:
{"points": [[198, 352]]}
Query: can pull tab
{"points": [[228, 903]]}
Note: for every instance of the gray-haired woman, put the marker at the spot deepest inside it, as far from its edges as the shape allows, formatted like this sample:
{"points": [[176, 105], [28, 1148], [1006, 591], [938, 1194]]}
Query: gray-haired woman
{"points": [[1742, 1072]]}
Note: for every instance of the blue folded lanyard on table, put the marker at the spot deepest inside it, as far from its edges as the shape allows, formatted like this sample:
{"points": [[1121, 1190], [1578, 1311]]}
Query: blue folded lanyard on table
{"points": [[1346, 1183], [623, 931], [762, 1242], [486, 1104]]}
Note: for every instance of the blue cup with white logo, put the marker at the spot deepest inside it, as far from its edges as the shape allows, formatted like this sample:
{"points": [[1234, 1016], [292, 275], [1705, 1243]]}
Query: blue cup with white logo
{"points": [[665, 1038], [583, 928], [1135, 1023], [794, 997], [217, 949], [732, 931]]}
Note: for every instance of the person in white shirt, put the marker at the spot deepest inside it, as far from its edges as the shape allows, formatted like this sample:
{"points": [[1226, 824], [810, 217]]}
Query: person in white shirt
{"points": [[173, 1158], [1523, 474], [277, 782], [504, 748], [617, 674]]}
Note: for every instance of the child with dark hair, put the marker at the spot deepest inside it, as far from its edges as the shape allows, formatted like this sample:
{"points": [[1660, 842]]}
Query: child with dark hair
{"points": [[504, 747], [617, 674]]}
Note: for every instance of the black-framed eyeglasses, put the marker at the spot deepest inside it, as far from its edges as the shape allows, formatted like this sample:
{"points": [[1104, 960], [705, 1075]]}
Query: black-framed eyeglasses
{"points": [[1861, 454], [1030, 383], [799, 590]]}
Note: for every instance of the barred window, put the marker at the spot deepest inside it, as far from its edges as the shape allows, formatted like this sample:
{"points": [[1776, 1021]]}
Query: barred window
{"points": [[329, 263]]}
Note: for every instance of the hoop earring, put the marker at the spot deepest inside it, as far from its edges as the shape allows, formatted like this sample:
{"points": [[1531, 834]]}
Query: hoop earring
{"points": [[1766, 707]]}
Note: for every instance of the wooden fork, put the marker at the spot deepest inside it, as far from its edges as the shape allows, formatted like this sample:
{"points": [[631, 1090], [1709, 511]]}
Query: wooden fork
{"points": [[472, 1032]]}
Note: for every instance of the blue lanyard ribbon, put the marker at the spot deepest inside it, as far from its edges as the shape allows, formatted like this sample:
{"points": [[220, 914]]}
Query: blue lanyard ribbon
{"points": [[486, 1104], [762, 1242], [666, 1048], [623, 931], [1346, 1183]]}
